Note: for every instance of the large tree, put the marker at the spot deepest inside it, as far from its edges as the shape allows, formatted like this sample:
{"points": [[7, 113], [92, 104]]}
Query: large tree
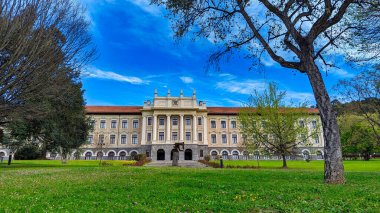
{"points": [[296, 34], [38, 39], [270, 124]]}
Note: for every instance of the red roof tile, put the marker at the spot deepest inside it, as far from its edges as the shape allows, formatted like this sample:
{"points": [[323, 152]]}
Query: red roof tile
{"points": [[113, 109], [236, 110]]}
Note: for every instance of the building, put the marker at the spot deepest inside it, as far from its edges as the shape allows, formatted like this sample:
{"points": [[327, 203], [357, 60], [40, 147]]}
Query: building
{"points": [[120, 132]]}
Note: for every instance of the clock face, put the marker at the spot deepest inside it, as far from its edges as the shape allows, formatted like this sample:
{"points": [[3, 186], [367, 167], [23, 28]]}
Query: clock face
{"points": [[175, 102]]}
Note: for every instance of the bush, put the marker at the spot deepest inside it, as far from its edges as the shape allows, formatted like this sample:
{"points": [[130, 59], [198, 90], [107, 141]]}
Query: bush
{"points": [[210, 164], [207, 158], [28, 152], [140, 157]]}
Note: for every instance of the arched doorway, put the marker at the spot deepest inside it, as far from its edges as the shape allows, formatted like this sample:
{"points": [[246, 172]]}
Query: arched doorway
{"points": [[87, 156], [225, 155], [245, 155], [111, 155], [76, 156], [235, 155], [160, 154], [214, 155], [188, 154], [133, 155], [122, 155], [99, 155], [319, 155]]}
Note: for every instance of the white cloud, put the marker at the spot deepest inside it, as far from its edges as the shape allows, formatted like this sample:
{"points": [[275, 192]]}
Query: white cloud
{"points": [[146, 6], [299, 97], [242, 87], [100, 74], [342, 73], [186, 80]]}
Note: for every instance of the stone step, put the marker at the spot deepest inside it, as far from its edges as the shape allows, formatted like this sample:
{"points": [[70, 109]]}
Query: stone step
{"points": [[181, 163]]}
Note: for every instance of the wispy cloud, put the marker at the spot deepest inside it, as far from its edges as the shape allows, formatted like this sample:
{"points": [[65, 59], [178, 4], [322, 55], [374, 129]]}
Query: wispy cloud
{"points": [[146, 6], [342, 73], [101, 74], [186, 79], [242, 87]]}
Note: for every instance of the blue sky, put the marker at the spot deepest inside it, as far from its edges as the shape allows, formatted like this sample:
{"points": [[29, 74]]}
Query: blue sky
{"points": [[137, 54]]}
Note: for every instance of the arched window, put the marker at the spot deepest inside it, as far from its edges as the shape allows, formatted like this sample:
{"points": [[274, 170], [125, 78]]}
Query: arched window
{"points": [[306, 154], [99, 155], [160, 154], [319, 155], [133, 155], [245, 155], [214, 154], [225, 155], [122, 155], [111, 155], [235, 155], [88, 156], [77, 156], [2, 154]]}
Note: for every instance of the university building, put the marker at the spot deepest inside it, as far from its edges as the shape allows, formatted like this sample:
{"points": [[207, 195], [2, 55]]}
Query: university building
{"points": [[120, 132]]}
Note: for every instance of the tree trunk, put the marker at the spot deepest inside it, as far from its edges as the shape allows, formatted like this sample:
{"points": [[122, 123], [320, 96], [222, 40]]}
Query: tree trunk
{"points": [[284, 165], [334, 171]]}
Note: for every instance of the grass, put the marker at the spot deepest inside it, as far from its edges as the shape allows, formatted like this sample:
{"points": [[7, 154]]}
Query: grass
{"points": [[83, 186]]}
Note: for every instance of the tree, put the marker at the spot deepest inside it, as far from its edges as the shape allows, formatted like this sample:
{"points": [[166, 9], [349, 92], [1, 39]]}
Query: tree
{"points": [[37, 39], [269, 123], [295, 34], [362, 94]]}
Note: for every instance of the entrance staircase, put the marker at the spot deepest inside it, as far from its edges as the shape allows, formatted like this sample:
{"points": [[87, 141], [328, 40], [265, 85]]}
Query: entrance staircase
{"points": [[181, 163]]}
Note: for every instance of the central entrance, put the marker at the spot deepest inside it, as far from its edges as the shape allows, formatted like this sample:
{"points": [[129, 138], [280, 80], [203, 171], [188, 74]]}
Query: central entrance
{"points": [[160, 154], [188, 154]]}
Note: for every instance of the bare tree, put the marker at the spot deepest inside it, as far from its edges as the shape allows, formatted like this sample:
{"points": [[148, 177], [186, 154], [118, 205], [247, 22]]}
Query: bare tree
{"points": [[37, 39], [297, 34]]}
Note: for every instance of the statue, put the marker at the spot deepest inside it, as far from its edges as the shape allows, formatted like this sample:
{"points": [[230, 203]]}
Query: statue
{"points": [[177, 147]]}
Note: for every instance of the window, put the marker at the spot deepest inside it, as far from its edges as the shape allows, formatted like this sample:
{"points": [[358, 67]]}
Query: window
{"points": [[102, 124], [213, 138], [112, 139], [303, 138], [201, 153], [314, 124], [188, 122], [149, 136], [174, 136], [149, 121], [135, 124], [124, 124], [161, 136], [223, 123], [199, 120], [224, 138], [101, 140], [199, 136], [113, 124], [134, 139], [233, 124], [213, 124], [301, 123], [90, 139], [225, 155], [175, 121], [92, 123], [188, 136], [123, 139], [162, 121], [234, 139], [316, 139], [235, 155]]}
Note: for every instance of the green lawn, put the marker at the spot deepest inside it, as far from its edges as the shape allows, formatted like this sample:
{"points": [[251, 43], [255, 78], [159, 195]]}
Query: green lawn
{"points": [[83, 186]]}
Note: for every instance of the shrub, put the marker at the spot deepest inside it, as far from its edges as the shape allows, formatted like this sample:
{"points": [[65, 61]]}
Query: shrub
{"points": [[105, 163], [210, 164], [207, 158], [140, 157], [28, 152]]}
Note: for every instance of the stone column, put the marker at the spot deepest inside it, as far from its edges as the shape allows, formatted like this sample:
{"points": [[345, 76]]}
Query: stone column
{"points": [[205, 133], [195, 129], [168, 129], [154, 128], [181, 128], [143, 131]]}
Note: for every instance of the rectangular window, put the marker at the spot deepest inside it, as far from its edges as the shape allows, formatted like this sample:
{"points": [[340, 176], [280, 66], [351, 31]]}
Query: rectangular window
{"points": [[213, 124], [113, 124], [90, 139], [199, 136], [101, 140], [303, 138], [161, 136], [234, 139], [123, 139], [223, 124], [162, 121], [188, 121], [134, 139], [199, 120], [188, 136], [135, 124], [102, 124], [149, 136], [149, 121], [224, 138], [301, 123], [175, 121], [213, 138], [174, 136], [314, 124], [316, 139], [92, 123], [112, 139], [233, 124], [124, 124]]}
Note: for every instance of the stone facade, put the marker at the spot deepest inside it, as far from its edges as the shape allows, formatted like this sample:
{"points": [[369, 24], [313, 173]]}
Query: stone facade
{"points": [[123, 131]]}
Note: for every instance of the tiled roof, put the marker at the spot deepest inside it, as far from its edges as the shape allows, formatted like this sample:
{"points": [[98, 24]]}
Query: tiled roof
{"points": [[236, 110], [113, 109]]}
